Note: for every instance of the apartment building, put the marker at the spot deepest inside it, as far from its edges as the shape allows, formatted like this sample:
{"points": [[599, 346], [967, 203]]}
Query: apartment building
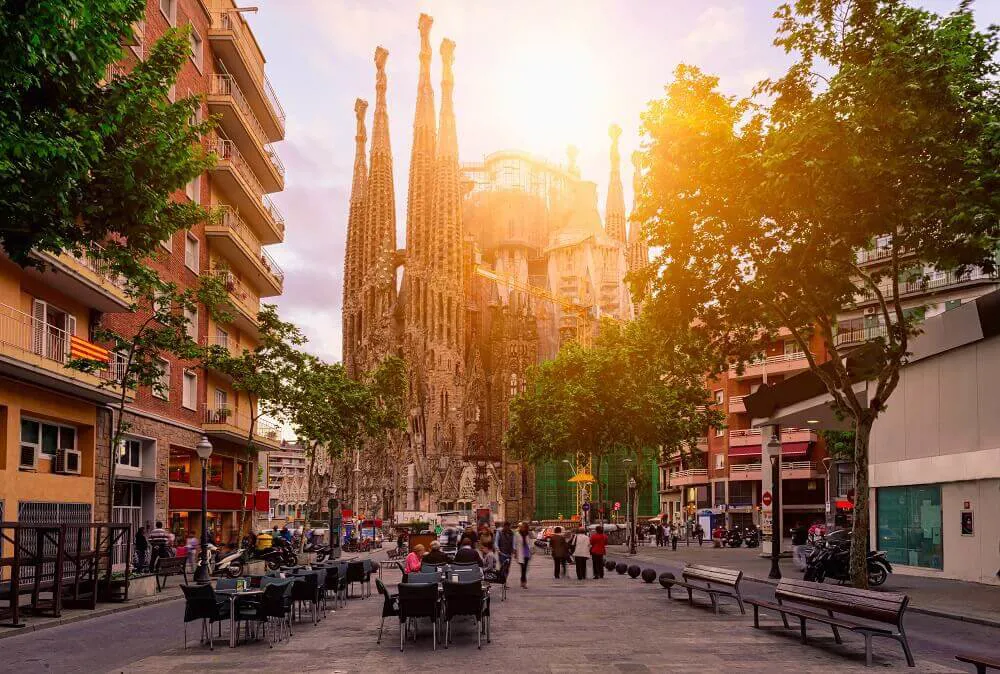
{"points": [[719, 481], [159, 474], [287, 483]]}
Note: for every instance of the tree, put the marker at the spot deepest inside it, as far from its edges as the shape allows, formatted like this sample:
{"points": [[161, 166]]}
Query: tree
{"points": [[137, 355], [266, 374], [639, 390], [85, 158], [885, 125]]}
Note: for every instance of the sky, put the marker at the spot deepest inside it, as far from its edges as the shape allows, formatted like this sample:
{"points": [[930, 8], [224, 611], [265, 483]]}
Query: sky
{"points": [[536, 75]]}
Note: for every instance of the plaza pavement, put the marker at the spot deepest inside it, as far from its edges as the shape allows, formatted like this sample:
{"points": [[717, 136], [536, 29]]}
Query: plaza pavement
{"points": [[613, 625]]}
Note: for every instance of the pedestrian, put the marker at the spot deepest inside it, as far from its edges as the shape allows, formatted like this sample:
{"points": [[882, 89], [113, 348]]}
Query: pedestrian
{"points": [[699, 532], [673, 537], [800, 535], [523, 540], [414, 559], [489, 555], [158, 540], [192, 550], [141, 550], [560, 550], [467, 553], [471, 534], [598, 548], [581, 552], [505, 543]]}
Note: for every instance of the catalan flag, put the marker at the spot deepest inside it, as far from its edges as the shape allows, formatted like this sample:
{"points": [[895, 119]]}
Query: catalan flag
{"points": [[84, 350]]}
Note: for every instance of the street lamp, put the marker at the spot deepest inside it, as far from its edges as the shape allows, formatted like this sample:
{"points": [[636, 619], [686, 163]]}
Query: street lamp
{"points": [[204, 449], [827, 462], [775, 516], [632, 504], [628, 505]]}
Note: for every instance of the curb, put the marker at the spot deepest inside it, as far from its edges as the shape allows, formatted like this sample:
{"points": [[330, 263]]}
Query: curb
{"points": [[89, 615]]}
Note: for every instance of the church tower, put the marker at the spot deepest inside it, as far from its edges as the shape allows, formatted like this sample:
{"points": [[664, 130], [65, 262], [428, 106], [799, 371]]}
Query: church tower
{"points": [[353, 269], [637, 254], [615, 206], [379, 285]]}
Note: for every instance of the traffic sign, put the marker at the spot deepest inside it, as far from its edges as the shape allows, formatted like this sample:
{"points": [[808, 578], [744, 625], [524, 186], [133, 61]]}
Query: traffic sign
{"points": [[586, 507], [618, 505], [766, 498]]}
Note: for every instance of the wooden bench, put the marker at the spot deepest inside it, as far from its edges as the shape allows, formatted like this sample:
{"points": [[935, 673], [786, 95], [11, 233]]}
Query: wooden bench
{"points": [[713, 580], [819, 602], [169, 566], [981, 663]]}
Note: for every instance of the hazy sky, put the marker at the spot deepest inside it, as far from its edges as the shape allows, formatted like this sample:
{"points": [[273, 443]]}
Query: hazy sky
{"points": [[536, 76]]}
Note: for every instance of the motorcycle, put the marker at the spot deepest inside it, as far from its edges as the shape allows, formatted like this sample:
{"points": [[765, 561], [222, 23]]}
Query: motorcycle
{"points": [[751, 536], [732, 538], [230, 564], [321, 551], [833, 560]]}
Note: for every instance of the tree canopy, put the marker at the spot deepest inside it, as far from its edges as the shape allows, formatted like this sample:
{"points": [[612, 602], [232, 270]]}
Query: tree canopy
{"points": [[884, 127]]}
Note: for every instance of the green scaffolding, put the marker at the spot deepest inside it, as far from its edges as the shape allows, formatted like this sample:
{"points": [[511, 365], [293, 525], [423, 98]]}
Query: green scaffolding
{"points": [[555, 495]]}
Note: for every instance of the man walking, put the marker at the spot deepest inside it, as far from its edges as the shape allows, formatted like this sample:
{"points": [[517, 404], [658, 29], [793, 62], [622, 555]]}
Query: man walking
{"points": [[800, 535], [158, 540], [560, 550]]}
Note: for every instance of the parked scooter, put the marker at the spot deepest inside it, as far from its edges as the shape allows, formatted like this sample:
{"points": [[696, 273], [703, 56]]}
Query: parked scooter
{"points": [[732, 538], [751, 536], [833, 560], [230, 564]]}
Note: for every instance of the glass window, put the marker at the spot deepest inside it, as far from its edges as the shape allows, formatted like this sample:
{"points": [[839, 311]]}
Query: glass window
{"points": [[196, 48], [131, 453], [191, 316], [191, 252], [215, 468], [190, 393], [180, 467], [909, 525], [161, 389], [169, 10]]}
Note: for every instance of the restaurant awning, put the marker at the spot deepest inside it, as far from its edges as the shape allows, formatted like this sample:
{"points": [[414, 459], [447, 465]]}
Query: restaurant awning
{"points": [[787, 449]]}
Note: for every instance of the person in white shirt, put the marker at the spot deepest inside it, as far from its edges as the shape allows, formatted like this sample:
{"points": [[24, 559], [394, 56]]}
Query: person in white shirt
{"points": [[581, 552]]}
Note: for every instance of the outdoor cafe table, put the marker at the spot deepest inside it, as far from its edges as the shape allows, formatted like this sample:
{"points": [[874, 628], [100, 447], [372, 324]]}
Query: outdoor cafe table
{"points": [[234, 595]]}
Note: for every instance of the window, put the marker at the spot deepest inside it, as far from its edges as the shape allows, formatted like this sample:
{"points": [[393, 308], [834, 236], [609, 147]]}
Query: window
{"points": [[180, 466], [791, 347], [909, 525], [169, 10], [189, 395], [138, 38], [160, 304], [221, 338], [193, 190], [239, 475], [719, 398], [191, 316], [720, 461], [197, 50], [161, 389], [51, 329], [168, 243], [38, 437], [191, 252], [215, 469], [130, 454]]}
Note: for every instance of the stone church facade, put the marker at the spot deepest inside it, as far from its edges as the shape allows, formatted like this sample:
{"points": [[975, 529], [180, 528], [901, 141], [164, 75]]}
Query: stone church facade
{"points": [[494, 250]]}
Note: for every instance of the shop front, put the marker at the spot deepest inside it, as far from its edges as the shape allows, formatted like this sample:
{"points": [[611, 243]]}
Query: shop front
{"points": [[224, 512]]}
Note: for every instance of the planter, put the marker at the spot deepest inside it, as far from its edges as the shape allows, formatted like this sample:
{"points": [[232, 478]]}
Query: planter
{"points": [[143, 586]]}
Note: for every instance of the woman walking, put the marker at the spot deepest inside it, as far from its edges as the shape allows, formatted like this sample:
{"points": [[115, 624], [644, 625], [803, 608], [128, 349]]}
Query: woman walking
{"points": [[598, 548], [581, 552], [523, 540], [560, 550]]}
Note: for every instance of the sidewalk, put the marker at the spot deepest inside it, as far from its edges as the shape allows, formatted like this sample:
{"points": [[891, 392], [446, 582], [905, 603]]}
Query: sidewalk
{"points": [[955, 599], [34, 623]]}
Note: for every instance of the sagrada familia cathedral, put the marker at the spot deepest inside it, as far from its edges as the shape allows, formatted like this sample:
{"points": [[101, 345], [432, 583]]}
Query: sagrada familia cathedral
{"points": [[498, 255]]}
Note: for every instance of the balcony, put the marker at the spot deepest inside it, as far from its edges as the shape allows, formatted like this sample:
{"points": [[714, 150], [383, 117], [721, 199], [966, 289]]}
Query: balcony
{"points": [[239, 123], [855, 332], [239, 183], [226, 423], [784, 363], [736, 405], [931, 283], [246, 303], [234, 43], [232, 237], [790, 470], [37, 352], [689, 476], [751, 436], [85, 277], [879, 254]]}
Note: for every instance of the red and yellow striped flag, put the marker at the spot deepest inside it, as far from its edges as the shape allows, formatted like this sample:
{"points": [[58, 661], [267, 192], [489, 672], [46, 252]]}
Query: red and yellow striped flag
{"points": [[81, 348]]}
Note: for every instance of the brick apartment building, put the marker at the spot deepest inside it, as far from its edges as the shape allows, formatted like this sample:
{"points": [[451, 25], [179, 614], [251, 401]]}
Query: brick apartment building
{"points": [[55, 422]]}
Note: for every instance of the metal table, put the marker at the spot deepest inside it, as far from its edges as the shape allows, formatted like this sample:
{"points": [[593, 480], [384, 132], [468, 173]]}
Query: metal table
{"points": [[233, 596]]}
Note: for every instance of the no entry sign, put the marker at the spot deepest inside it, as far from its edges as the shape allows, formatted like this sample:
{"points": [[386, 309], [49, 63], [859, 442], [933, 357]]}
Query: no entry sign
{"points": [[766, 498]]}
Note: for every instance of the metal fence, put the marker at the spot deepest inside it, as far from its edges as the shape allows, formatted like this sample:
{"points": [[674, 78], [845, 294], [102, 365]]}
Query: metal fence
{"points": [[42, 512], [131, 515]]}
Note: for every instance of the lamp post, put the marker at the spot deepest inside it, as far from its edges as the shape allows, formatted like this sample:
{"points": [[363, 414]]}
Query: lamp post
{"points": [[775, 516], [632, 513], [827, 462], [204, 449]]}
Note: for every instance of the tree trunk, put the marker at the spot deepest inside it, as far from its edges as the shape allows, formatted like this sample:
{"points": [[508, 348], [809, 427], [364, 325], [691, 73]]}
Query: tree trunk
{"points": [[859, 537]]}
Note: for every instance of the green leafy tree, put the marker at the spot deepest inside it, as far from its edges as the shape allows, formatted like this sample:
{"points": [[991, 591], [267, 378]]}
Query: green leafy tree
{"points": [[266, 374], [884, 125], [137, 353], [84, 158], [638, 391]]}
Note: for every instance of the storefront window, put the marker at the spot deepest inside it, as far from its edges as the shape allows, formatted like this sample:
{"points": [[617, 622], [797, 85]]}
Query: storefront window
{"points": [[180, 467], [215, 468], [239, 475], [909, 525]]}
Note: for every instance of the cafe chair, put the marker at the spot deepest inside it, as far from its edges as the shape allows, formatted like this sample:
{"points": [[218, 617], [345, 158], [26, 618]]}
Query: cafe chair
{"points": [[201, 603], [466, 598], [390, 607], [418, 600]]}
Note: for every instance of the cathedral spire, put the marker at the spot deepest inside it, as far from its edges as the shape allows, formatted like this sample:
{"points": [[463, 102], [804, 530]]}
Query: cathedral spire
{"points": [[380, 221], [421, 160], [637, 252], [353, 269], [615, 206]]}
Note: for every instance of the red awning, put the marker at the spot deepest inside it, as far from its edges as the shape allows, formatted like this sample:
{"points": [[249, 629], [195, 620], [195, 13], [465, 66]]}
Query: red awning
{"points": [[844, 504], [183, 498], [787, 449]]}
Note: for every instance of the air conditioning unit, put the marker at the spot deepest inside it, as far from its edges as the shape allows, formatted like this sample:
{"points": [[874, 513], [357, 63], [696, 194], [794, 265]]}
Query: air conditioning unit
{"points": [[869, 311], [68, 461], [28, 458]]}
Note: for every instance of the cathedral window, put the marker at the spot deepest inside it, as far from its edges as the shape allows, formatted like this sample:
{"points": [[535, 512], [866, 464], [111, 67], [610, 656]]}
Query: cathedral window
{"points": [[513, 384]]}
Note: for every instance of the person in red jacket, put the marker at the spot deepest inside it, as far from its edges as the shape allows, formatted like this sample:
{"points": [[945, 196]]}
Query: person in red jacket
{"points": [[598, 548]]}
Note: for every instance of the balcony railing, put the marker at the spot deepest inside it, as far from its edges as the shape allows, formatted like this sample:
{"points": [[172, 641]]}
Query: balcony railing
{"points": [[736, 404], [688, 472], [276, 216], [92, 259], [29, 335], [223, 415], [924, 284], [232, 21], [230, 218], [751, 436], [238, 291], [226, 150], [785, 465], [855, 332], [225, 85]]}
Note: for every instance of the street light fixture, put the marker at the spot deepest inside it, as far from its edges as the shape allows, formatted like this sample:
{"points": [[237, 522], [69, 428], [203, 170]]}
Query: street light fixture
{"points": [[775, 516], [632, 513], [204, 449], [827, 462]]}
